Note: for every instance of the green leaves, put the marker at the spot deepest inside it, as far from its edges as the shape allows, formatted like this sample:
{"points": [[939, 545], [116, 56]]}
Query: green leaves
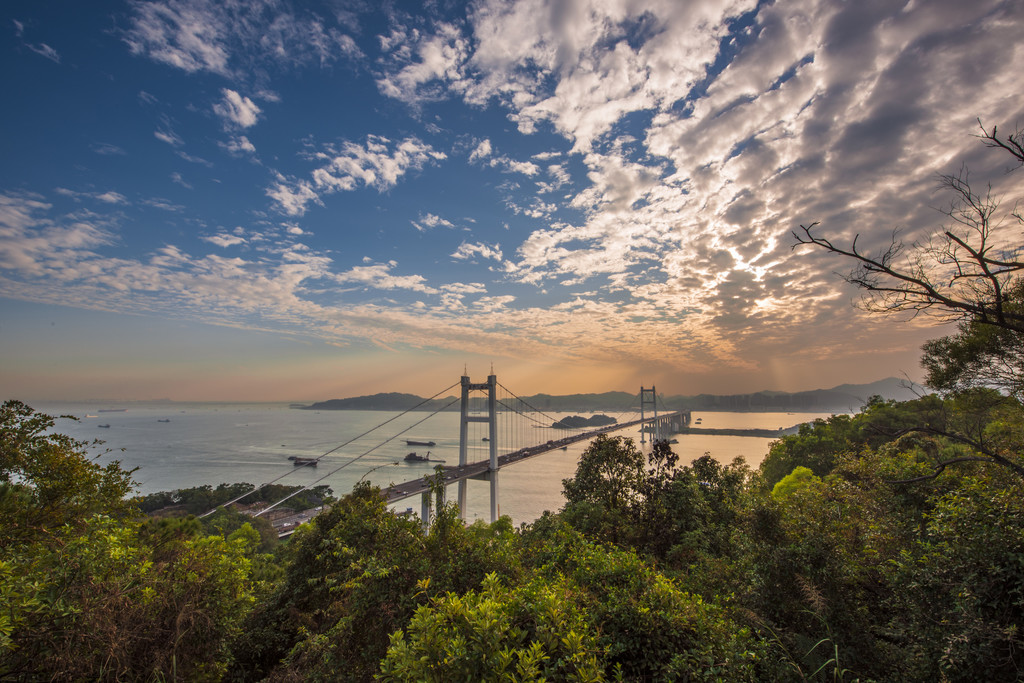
{"points": [[48, 481]]}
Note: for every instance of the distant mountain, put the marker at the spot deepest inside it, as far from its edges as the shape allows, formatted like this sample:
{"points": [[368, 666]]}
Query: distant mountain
{"points": [[390, 401], [843, 398]]}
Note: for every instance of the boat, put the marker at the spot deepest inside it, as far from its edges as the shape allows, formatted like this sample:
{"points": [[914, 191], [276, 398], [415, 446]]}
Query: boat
{"points": [[412, 442], [163, 420], [104, 426], [113, 410], [304, 462], [92, 415], [415, 457]]}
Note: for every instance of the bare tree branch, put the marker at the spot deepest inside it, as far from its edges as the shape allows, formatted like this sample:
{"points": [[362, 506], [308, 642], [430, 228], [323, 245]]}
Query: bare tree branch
{"points": [[1013, 143], [960, 274], [939, 468], [987, 454]]}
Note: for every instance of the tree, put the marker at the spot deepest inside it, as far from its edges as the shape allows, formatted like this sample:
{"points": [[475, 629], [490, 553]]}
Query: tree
{"points": [[969, 272], [90, 591], [537, 631], [979, 354], [47, 480], [608, 488]]}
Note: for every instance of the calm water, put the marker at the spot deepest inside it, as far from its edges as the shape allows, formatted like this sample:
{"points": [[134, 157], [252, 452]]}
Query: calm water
{"points": [[211, 444]]}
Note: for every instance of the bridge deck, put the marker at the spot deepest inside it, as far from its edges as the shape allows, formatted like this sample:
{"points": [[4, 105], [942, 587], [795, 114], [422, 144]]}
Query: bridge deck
{"points": [[477, 470]]}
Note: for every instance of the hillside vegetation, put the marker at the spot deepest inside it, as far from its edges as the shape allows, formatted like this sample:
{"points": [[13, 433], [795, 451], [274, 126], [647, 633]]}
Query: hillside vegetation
{"points": [[852, 553]]}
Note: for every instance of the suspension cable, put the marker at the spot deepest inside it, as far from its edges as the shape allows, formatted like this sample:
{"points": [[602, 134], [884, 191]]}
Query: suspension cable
{"points": [[254, 489], [358, 457], [525, 403]]}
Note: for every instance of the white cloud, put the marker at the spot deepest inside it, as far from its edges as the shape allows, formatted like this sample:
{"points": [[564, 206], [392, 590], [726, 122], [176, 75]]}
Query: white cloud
{"points": [[112, 197], [107, 149], [225, 37], [470, 251], [192, 159], [177, 178], [223, 240], [512, 166], [417, 59], [379, 276], [429, 221], [46, 51], [380, 163], [109, 197], [481, 151], [493, 304], [239, 145], [237, 110], [292, 196], [169, 137]]}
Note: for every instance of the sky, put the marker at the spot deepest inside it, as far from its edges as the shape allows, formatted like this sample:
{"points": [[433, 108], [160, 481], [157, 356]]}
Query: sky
{"points": [[274, 200]]}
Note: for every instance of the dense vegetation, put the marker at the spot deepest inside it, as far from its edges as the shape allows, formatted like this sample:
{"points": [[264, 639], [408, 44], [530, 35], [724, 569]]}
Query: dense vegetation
{"points": [[847, 555], [885, 546]]}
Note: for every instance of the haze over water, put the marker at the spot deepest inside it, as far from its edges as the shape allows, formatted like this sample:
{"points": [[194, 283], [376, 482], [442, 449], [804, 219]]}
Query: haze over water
{"points": [[228, 443]]}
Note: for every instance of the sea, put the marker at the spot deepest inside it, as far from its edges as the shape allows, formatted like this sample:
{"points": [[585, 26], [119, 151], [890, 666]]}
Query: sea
{"points": [[181, 445]]}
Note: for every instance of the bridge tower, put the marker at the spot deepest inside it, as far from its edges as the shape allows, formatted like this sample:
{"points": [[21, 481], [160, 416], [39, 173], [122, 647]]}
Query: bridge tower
{"points": [[655, 425], [491, 418]]}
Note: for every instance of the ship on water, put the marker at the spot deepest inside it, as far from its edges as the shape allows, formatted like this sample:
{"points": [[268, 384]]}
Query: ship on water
{"points": [[415, 457]]}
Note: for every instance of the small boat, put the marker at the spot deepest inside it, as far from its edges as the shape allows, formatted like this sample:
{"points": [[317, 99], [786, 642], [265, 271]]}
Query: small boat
{"points": [[412, 442], [92, 415], [163, 420], [104, 426], [304, 462], [415, 457]]}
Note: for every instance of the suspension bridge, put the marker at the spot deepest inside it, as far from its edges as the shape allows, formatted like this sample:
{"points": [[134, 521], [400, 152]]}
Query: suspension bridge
{"points": [[497, 429]]}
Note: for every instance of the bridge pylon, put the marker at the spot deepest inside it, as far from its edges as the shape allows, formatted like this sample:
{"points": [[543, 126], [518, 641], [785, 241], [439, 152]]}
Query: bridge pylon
{"points": [[491, 418], [655, 423]]}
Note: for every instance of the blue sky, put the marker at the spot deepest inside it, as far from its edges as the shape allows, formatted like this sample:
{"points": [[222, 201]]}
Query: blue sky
{"points": [[285, 201]]}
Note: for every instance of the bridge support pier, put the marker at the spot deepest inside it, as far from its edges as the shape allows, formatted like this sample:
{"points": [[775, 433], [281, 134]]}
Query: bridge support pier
{"points": [[655, 424], [491, 387]]}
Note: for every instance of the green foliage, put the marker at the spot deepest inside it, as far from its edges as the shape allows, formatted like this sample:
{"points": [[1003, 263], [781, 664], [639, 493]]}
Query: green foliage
{"points": [[959, 591], [226, 521], [648, 628], [884, 563], [200, 499], [117, 601], [979, 354], [794, 481], [610, 473], [89, 591], [971, 419], [355, 575], [48, 481], [528, 633]]}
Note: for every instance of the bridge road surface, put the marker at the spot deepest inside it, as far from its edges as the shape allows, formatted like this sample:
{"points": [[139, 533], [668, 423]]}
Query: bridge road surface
{"points": [[454, 473]]}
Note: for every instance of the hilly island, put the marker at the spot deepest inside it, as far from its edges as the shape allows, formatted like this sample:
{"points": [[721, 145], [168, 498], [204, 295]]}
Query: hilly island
{"points": [[844, 398]]}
